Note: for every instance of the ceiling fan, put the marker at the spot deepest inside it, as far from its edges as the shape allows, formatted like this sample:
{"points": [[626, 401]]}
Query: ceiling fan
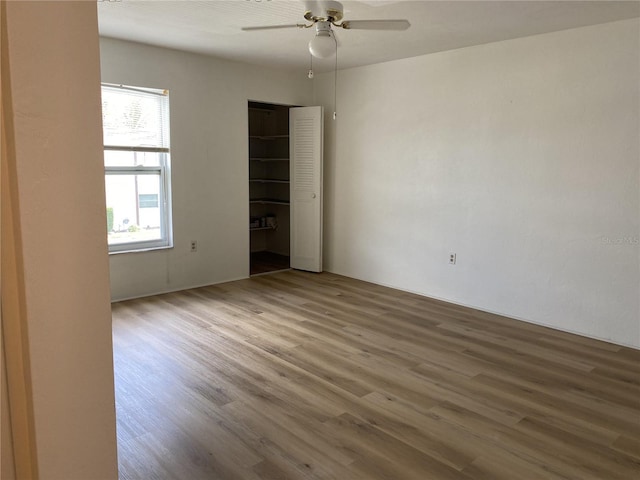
{"points": [[325, 14]]}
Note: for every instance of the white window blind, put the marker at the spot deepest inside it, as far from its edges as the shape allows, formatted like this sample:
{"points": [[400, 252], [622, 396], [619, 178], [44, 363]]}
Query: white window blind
{"points": [[137, 167], [135, 117]]}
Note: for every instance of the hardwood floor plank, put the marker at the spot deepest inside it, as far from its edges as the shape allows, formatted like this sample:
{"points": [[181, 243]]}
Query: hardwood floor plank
{"points": [[316, 376], [416, 427], [504, 465], [514, 367], [384, 453], [550, 355], [627, 445], [611, 419], [520, 445], [614, 464], [288, 449]]}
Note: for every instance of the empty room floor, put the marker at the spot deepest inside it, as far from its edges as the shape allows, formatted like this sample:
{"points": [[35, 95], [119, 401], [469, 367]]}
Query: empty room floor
{"points": [[316, 376]]}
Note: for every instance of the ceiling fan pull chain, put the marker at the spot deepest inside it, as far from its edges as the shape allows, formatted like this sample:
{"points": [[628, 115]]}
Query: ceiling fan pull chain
{"points": [[335, 81]]}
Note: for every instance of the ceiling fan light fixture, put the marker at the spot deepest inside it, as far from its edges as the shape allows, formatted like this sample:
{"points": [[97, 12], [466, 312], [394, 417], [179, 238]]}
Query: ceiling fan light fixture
{"points": [[323, 45]]}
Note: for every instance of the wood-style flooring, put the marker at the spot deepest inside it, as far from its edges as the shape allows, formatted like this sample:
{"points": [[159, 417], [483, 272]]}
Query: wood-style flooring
{"points": [[317, 376]]}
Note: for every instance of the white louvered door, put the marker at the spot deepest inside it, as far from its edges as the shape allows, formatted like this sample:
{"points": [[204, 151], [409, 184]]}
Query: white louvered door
{"points": [[305, 149]]}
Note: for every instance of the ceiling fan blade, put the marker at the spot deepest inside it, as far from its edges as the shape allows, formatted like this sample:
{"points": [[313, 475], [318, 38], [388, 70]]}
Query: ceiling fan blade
{"points": [[376, 24], [273, 27]]}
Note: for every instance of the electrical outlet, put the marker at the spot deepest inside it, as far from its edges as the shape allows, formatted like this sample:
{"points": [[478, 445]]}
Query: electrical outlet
{"points": [[452, 258], [194, 246]]}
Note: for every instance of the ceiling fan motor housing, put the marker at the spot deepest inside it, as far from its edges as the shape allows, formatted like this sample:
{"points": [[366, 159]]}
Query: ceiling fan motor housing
{"points": [[319, 11], [322, 27]]}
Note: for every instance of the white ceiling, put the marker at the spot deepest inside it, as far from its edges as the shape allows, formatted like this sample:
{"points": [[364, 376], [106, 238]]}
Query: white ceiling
{"points": [[213, 27]]}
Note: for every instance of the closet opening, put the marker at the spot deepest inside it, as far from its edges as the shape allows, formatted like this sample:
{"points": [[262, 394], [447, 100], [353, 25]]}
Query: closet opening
{"points": [[269, 196]]}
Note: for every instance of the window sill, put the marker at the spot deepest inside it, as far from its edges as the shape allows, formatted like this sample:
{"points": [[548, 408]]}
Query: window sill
{"points": [[142, 250]]}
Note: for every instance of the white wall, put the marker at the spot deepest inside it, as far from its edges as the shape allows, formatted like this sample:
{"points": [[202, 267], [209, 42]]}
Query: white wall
{"points": [[56, 168], [520, 156], [209, 161]]}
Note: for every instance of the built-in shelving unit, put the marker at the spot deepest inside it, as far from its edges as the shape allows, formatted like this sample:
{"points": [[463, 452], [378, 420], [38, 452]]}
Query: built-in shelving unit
{"points": [[269, 185]]}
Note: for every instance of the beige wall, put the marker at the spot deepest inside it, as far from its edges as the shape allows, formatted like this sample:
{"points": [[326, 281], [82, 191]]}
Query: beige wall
{"points": [[55, 75], [520, 156], [209, 161]]}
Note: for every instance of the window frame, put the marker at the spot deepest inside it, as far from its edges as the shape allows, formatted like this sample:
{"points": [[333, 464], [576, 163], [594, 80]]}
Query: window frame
{"points": [[163, 170]]}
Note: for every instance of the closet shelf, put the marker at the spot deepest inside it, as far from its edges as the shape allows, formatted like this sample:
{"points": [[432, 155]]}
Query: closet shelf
{"points": [[268, 180], [269, 201], [263, 159], [267, 137], [253, 229]]}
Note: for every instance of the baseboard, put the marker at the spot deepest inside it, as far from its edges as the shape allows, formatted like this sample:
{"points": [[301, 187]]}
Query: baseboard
{"points": [[173, 290]]}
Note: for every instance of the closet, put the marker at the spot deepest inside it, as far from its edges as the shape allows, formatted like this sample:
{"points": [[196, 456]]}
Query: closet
{"points": [[285, 187], [269, 219]]}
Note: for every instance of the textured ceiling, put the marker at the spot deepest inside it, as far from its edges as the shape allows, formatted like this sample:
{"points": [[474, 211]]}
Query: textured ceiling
{"points": [[213, 27]]}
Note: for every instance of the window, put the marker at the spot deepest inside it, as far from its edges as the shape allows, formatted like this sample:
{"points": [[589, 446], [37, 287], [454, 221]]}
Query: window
{"points": [[137, 167]]}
